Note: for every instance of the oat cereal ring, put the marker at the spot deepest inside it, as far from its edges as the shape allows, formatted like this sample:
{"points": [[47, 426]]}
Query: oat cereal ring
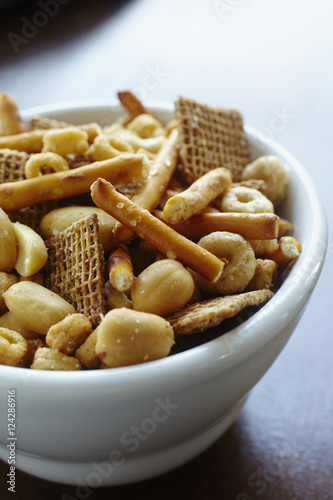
{"points": [[34, 165], [66, 141], [240, 263], [51, 359], [68, 334], [12, 347], [172, 124], [120, 144], [151, 144], [146, 125], [246, 200], [273, 171], [86, 354], [101, 149]]}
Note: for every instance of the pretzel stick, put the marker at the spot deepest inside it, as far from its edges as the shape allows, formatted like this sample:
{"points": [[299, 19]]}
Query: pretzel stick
{"points": [[131, 103], [250, 226], [286, 250], [11, 121], [197, 196], [120, 269], [150, 192], [284, 226], [32, 141], [121, 169], [161, 236]]}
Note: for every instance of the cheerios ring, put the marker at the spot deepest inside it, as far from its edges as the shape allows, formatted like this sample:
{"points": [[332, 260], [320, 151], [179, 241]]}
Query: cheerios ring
{"points": [[246, 200], [37, 161], [240, 267]]}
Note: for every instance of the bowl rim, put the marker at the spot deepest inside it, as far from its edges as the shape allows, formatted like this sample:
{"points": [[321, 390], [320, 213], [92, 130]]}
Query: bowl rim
{"points": [[237, 344]]}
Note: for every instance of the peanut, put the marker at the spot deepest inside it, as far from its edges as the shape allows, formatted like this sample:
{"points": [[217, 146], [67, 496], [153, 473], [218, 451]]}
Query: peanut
{"points": [[61, 218], [32, 252], [35, 307], [6, 281], [8, 250], [9, 321], [162, 288], [126, 337]]}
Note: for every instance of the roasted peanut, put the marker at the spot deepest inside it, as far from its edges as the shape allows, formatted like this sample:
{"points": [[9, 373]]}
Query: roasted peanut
{"points": [[61, 218], [32, 252], [52, 359], [36, 307], [162, 288], [6, 281], [8, 249], [9, 321], [126, 337], [12, 347]]}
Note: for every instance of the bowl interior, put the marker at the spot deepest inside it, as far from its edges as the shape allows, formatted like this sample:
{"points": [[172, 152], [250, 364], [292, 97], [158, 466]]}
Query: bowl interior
{"points": [[303, 208]]}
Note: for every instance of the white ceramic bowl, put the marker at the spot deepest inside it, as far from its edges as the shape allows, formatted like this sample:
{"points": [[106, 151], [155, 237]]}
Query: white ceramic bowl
{"points": [[115, 426]]}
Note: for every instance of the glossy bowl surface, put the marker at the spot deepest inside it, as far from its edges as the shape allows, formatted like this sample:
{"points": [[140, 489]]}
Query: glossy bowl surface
{"points": [[109, 427]]}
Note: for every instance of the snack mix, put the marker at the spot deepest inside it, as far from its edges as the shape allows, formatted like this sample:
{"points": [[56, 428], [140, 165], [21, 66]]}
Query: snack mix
{"points": [[115, 241]]}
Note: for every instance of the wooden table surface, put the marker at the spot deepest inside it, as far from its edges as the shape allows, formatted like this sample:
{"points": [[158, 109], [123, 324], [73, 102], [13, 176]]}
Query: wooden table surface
{"points": [[273, 61]]}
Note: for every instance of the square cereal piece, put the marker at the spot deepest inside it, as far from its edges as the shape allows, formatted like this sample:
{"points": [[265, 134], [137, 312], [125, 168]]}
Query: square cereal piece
{"points": [[76, 267], [210, 137], [12, 165], [32, 216], [200, 316], [43, 123]]}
